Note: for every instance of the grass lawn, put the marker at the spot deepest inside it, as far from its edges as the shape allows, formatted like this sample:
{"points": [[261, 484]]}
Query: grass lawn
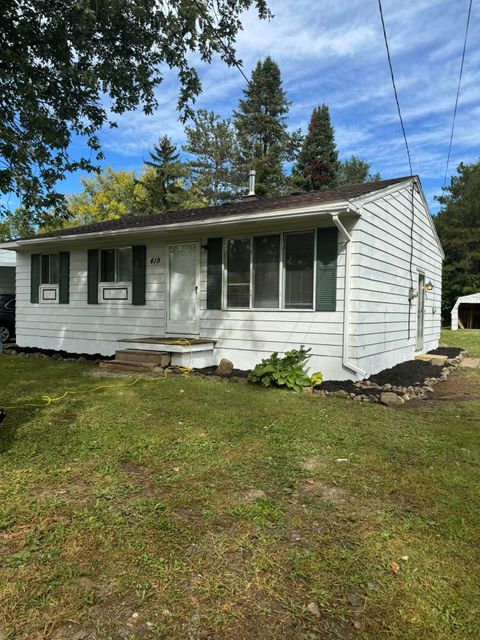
{"points": [[186, 508], [469, 340]]}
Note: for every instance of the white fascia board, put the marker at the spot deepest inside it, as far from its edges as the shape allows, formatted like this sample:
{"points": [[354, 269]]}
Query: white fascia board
{"points": [[271, 216]]}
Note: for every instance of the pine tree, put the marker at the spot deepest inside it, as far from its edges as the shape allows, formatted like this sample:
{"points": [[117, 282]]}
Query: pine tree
{"points": [[317, 163], [458, 226], [354, 170], [164, 184], [212, 143], [260, 122]]}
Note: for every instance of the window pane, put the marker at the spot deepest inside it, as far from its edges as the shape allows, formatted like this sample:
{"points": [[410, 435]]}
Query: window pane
{"points": [[54, 268], [45, 269], [267, 269], [107, 265], [124, 264], [299, 261], [238, 278]]}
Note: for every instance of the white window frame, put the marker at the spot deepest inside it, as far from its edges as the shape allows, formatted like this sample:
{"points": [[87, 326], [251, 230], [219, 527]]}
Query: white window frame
{"points": [[116, 292], [281, 279]]}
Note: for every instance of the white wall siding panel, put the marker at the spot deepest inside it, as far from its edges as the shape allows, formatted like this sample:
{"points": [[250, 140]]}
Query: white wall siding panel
{"points": [[381, 281]]}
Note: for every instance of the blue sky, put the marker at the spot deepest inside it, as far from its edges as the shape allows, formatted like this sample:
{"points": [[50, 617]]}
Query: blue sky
{"points": [[333, 51]]}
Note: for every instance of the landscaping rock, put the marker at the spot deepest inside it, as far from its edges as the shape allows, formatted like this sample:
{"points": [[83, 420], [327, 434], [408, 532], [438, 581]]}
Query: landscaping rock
{"points": [[225, 367], [158, 370], [341, 394], [238, 380], [390, 399]]}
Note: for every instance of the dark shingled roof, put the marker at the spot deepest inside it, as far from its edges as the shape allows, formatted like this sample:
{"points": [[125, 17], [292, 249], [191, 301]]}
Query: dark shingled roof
{"points": [[246, 206]]}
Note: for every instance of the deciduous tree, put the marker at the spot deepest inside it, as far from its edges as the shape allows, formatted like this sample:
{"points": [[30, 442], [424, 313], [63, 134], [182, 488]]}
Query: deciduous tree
{"points": [[68, 68]]}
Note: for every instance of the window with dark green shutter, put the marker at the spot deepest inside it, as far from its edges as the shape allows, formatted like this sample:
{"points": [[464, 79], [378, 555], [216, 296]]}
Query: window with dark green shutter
{"points": [[64, 277], [92, 279], [214, 273], [34, 278], [326, 283], [139, 273]]}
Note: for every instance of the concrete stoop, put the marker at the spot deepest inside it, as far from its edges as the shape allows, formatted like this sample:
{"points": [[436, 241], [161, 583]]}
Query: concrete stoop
{"points": [[434, 359]]}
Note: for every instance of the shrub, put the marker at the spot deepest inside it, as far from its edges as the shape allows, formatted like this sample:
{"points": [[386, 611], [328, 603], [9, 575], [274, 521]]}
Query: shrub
{"points": [[285, 372]]}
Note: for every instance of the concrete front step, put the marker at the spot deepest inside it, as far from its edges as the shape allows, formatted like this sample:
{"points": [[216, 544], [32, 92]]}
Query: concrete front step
{"points": [[433, 358], [143, 357]]}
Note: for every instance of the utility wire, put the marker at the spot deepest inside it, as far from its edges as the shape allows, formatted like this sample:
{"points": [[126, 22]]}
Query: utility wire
{"points": [[412, 223], [395, 86], [458, 91]]}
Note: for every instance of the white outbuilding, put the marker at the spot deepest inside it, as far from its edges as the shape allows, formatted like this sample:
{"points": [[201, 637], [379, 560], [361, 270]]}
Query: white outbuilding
{"points": [[466, 312]]}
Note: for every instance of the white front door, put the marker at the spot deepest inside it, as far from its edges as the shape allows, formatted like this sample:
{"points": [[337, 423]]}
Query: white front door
{"points": [[183, 289], [421, 311]]}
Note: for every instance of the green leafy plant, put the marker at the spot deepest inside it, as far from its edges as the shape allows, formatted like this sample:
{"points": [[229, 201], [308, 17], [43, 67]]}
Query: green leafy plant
{"points": [[284, 372], [316, 378]]}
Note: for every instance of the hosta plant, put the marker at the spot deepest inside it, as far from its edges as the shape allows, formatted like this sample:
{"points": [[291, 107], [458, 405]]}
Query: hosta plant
{"points": [[287, 371]]}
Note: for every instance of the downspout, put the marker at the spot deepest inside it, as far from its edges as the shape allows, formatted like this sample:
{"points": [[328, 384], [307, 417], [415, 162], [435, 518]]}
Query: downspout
{"points": [[346, 303]]}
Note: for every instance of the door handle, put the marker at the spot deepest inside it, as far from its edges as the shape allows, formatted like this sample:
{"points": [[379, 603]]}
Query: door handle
{"points": [[196, 288]]}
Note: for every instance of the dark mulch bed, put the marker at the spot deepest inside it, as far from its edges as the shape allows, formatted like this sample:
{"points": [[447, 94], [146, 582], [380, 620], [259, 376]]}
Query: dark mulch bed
{"points": [[346, 385], [236, 373], [406, 374], [450, 352], [62, 354]]}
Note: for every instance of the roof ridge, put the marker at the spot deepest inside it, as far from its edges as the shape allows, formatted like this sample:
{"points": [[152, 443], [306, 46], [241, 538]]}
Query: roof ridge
{"points": [[221, 211]]}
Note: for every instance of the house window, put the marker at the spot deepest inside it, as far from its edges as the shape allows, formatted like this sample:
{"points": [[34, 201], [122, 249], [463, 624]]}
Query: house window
{"points": [[49, 268], [270, 271], [116, 265]]}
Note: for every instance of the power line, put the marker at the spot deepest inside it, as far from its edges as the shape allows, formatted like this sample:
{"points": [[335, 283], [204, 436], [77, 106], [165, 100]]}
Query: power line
{"points": [[412, 223], [458, 91], [395, 86]]}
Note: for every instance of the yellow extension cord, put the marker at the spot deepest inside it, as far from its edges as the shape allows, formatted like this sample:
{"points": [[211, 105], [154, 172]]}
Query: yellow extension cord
{"points": [[47, 400]]}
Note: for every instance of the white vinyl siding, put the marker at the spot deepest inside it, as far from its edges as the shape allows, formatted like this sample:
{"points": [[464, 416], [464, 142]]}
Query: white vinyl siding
{"points": [[380, 281], [378, 306]]}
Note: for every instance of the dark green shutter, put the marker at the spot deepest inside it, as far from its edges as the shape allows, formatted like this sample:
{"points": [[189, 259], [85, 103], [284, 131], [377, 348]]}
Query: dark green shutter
{"points": [[326, 288], [92, 295], [64, 280], [34, 277], [139, 274], [214, 273]]}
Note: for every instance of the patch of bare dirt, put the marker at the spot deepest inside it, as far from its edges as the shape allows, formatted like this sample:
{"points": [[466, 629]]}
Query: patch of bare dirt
{"points": [[460, 386], [138, 474]]}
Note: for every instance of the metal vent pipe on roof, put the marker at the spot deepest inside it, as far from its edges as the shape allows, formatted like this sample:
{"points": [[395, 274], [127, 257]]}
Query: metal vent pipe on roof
{"points": [[251, 182]]}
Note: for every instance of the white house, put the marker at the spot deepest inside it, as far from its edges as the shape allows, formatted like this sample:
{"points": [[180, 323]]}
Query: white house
{"points": [[343, 271], [7, 272]]}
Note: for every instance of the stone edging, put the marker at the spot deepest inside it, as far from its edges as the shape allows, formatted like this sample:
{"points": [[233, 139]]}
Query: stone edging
{"points": [[391, 395]]}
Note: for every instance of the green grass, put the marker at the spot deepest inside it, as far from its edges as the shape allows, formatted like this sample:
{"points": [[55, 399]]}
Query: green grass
{"points": [[221, 511], [469, 340]]}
